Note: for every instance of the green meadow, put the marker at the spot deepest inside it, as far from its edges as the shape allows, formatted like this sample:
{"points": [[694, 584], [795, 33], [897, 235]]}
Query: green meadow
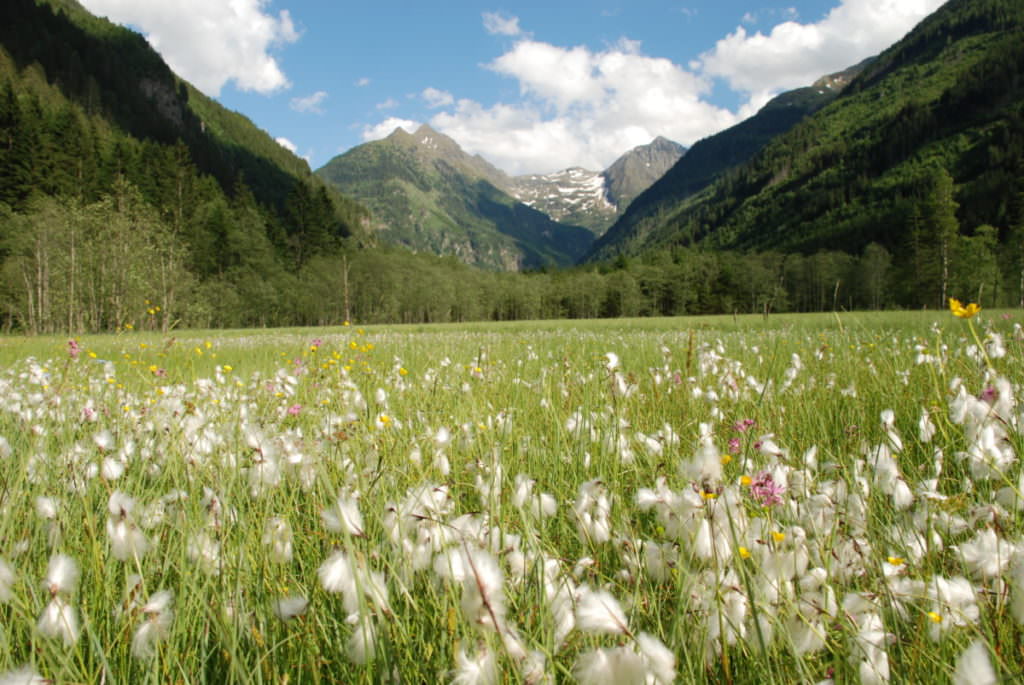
{"points": [[791, 498]]}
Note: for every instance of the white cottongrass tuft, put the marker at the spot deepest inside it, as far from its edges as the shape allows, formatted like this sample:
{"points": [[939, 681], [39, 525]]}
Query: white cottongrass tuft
{"points": [[127, 541], [361, 647], [277, 536], [7, 578], [287, 608], [481, 669], [598, 612], [483, 596], [23, 676], [336, 574], [659, 659], [157, 617], [61, 575], [59, 620], [344, 516], [974, 666], [610, 666]]}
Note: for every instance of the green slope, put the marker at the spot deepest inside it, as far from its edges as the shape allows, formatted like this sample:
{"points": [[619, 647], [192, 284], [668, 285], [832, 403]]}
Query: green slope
{"points": [[710, 158], [59, 52], [946, 97]]}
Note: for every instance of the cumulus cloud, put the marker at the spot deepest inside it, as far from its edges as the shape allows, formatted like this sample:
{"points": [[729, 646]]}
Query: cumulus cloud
{"points": [[287, 144], [387, 127], [437, 98], [211, 42], [498, 24], [310, 103], [363, 82], [581, 107], [390, 103], [792, 54], [578, 106]]}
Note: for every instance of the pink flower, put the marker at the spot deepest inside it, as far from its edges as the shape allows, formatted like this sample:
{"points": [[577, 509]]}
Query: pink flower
{"points": [[734, 446], [765, 490], [73, 349], [294, 410], [744, 425]]}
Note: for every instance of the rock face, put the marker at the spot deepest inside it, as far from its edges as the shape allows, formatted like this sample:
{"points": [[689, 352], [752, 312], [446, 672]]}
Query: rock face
{"points": [[595, 199], [635, 171]]}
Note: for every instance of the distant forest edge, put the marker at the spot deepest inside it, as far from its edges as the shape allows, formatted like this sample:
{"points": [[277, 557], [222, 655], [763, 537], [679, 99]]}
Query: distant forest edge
{"points": [[130, 200]]}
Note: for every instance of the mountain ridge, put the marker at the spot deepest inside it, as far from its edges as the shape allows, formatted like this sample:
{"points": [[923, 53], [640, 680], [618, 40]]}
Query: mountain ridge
{"points": [[428, 194]]}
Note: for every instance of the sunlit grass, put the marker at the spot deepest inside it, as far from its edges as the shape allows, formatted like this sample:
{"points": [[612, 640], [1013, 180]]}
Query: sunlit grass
{"points": [[215, 435]]}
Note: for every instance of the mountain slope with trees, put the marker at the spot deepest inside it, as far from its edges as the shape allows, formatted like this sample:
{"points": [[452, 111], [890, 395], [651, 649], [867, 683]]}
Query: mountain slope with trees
{"points": [[97, 134], [711, 157], [922, 155]]}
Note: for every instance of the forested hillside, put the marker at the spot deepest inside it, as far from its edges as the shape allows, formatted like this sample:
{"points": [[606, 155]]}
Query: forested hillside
{"points": [[921, 156], [127, 196]]}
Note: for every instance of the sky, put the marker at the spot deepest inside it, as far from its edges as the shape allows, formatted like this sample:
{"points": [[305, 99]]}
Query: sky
{"points": [[533, 87]]}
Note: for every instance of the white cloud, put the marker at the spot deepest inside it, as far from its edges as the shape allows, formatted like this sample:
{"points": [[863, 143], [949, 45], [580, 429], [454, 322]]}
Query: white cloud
{"points": [[794, 54], [363, 82], [310, 103], [582, 108], [287, 145], [498, 24], [390, 103], [437, 98], [387, 127], [211, 42]]}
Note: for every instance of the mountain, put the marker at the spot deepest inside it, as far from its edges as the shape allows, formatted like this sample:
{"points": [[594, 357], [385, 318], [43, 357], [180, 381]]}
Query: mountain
{"points": [[429, 195], [931, 128], [594, 199], [712, 156]]}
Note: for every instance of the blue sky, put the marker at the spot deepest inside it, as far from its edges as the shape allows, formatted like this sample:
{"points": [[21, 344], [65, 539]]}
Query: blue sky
{"points": [[531, 86]]}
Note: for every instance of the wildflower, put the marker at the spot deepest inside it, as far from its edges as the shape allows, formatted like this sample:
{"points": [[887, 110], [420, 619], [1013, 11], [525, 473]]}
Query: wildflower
{"points": [[295, 410], [765, 490], [743, 552], [73, 349], [961, 311]]}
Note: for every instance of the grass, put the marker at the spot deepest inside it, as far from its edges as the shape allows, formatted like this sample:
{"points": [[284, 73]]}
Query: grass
{"points": [[213, 436]]}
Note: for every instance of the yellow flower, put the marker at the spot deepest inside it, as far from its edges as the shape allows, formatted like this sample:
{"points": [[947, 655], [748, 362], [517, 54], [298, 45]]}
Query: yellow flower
{"points": [[895, 561], [726, 458], [777, 536], [744, 553], [746, 480], [935, 617], [708, 495], [959, 310]]}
